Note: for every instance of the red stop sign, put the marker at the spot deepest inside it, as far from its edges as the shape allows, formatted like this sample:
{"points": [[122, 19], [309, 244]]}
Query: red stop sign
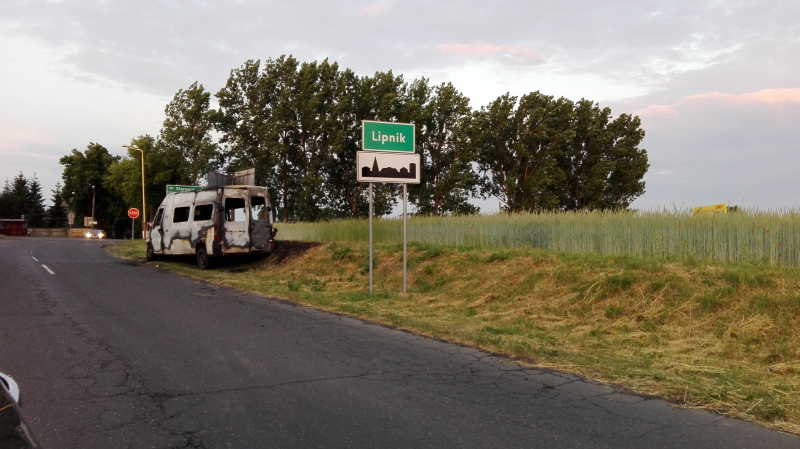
{"points": [[133, 212]]}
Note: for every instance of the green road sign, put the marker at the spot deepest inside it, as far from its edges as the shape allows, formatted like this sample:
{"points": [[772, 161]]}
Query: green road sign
{"points": [[178, 189], [387, 136]]}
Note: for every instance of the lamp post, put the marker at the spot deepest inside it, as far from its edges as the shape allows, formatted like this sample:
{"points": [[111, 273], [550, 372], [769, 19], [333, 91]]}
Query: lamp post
{"points": [[144, 203], [93, 198], [69, 220]]}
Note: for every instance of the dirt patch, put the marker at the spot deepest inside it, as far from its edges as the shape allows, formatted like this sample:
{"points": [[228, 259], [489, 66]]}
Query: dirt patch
{"points": [[289, 250]]}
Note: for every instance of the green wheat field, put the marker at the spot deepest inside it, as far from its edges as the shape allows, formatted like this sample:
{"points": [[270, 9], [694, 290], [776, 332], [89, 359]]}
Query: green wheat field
{"points": [[771, 236]]}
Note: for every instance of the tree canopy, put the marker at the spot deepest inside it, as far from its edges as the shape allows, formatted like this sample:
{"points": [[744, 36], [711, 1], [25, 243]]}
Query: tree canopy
{"points": [[22, 197], [299, 125], [84, 175]]}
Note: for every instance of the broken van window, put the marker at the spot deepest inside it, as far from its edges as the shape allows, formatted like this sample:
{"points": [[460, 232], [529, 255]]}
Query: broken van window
{"points": [[258, 208], [203, 212], [180, 215], [234, 209], [157, 220]]}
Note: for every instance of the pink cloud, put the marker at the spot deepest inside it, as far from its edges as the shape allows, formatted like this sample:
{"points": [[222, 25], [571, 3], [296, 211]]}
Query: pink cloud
{"points": [[371, 10], [764, 97], [487, 51], [13, 139], [655, 109]]}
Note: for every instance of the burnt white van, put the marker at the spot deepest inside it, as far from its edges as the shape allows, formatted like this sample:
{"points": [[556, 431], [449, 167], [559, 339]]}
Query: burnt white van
{"points": [[213, 222]]}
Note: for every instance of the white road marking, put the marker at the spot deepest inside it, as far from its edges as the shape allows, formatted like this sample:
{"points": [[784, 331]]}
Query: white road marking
{"points": [[48, 270], [34, 258]]}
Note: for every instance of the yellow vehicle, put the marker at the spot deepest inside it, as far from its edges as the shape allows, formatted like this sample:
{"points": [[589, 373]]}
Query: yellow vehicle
{"points": [[711, 210]]}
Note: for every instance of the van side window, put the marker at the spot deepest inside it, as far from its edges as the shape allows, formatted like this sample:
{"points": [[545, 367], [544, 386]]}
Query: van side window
{"points": [[180, 215], [234, 209], [203, 212], [258, 207]]}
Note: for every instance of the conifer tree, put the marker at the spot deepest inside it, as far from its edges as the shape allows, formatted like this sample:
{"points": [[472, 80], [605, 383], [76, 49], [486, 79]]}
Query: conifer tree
{"points": [[57, 213], [34, 203]]}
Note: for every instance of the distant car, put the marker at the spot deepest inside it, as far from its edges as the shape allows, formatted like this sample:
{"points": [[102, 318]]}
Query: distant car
{"points": [[95, 234]]}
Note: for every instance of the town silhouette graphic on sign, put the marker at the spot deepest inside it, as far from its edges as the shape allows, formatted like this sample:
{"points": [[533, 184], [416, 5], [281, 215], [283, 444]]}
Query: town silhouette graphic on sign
{"points": [[389, 172]]}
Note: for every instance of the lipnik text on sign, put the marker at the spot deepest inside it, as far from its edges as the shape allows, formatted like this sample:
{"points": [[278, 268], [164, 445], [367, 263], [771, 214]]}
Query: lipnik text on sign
{"points": [[383, 138], [387, 136]]}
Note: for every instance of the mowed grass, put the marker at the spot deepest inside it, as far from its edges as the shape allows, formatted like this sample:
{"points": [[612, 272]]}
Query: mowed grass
{"points": [[771, 237], [721, 337]]}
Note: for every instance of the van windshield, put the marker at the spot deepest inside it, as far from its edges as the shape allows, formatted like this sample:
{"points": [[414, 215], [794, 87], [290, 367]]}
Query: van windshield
{"points": [[259, 208]]}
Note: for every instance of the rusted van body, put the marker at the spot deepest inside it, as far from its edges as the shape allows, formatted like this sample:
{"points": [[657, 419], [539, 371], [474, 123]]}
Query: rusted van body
{"points": [[213, 222]]}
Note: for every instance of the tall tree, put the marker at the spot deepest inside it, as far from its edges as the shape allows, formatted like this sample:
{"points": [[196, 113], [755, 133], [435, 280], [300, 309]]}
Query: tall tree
{"points": [[34, 203], [379, 97], [17, 198], [602, 163], [20, 190], [280, 152], [625, 181], [82, 170], [243, 119], [187, 131], [163, 165], [519, 148], [447, 179], [317, 91], [23, 198], [5, 201], [57, 215]]}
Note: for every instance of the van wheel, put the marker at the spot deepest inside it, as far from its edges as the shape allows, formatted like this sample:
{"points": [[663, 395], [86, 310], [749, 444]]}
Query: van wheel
{"points": [[151, 254], [203, 262]]}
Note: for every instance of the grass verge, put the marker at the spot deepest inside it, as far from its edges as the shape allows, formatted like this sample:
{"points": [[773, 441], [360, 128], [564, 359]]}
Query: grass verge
{"points": [[721, 337]]}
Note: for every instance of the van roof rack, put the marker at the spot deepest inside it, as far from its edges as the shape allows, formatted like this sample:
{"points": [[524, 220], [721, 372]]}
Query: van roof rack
{"points": [[240, 178]]}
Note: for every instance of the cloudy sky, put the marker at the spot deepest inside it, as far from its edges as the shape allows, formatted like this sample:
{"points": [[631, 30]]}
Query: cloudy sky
{"points": [[716, 83]]}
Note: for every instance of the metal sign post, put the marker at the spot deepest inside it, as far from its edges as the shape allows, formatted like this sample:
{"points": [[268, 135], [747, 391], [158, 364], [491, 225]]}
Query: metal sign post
{"points": [[405, 227], [133, 213], [370, 238], [388, 156]]}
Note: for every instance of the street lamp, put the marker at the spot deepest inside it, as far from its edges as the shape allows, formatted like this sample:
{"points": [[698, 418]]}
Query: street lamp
{"points": [[69, 220], [93, 197], [144, 203]]}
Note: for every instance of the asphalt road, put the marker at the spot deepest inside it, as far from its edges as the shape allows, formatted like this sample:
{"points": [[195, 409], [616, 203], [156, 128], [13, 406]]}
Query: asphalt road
{"points": [[113, 354]]}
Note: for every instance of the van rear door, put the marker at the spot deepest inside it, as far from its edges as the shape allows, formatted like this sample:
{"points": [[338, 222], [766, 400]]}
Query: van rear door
{"points": [[166, 223], [237, 219], [157, 233], [260, 225]]}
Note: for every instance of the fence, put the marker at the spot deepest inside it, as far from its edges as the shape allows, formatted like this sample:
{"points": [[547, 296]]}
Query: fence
{"points": [[57, 232]]}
